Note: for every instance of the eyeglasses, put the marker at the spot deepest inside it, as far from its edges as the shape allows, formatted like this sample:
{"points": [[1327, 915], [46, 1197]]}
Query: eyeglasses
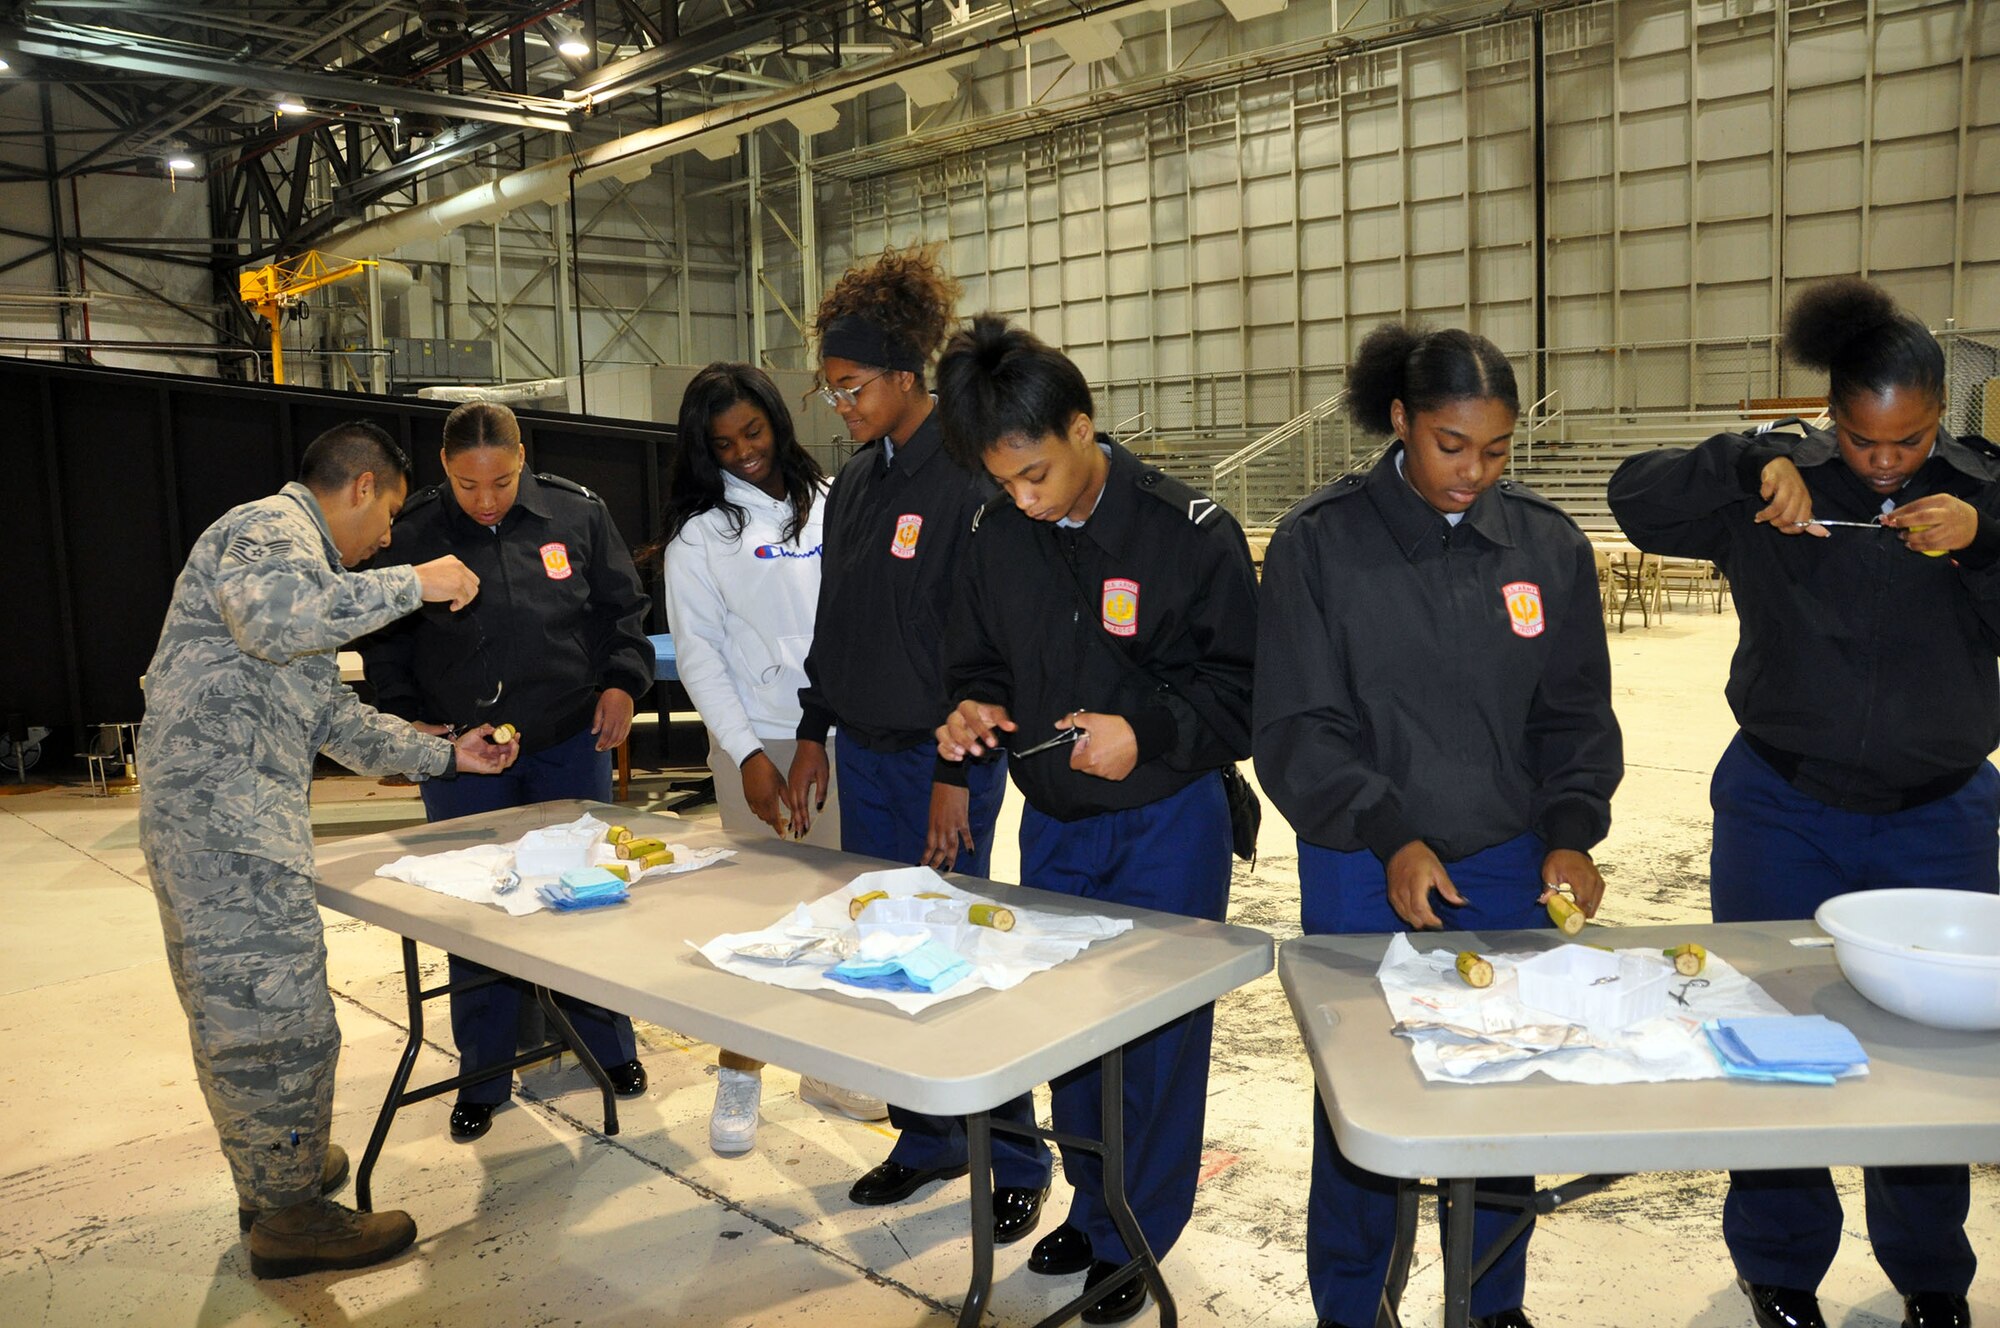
{"points": [[833, 398]]}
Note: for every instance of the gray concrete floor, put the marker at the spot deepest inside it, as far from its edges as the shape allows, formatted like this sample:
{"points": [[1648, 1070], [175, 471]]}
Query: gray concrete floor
{"points": [[115, 1207]]}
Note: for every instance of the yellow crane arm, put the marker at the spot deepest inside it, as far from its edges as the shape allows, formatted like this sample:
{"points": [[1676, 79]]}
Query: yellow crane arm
{"points": [[268, 290]]}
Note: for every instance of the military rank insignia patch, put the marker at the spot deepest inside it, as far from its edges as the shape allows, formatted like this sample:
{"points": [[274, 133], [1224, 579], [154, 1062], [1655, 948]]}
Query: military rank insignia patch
{"points": [[248, 549], [908, 527], [1121, 606], [1524, 607], [555, 561]]}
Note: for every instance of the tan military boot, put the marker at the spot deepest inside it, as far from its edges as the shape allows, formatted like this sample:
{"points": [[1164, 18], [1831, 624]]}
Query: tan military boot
{"points": [[320, 1235], [331, 1177]]}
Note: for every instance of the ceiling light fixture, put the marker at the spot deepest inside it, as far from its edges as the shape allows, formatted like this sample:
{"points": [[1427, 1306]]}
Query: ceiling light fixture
{"points": [[4, 65], [291, 106], [573, 46], [180, 163]]}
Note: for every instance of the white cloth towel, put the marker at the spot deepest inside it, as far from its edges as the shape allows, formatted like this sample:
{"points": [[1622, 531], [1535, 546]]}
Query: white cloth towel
{"points": [[818, 935], [488, 873]]}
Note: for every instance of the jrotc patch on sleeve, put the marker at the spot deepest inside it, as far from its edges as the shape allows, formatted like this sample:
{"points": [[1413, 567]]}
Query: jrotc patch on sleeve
{"points": [[1121, 606], [908, 527], [249, 549], [1524, 608], [555, 561]]}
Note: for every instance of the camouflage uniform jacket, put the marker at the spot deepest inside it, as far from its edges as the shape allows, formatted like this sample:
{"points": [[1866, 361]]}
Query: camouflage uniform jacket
{"points": [[244, 689]]}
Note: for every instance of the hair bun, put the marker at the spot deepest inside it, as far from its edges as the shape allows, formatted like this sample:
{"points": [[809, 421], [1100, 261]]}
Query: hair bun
{"points": [[1375, 379], [1827, 318], [990, 338]]}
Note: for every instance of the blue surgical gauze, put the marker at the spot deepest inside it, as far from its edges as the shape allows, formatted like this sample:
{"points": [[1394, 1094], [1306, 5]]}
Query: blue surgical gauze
{"points": [[930, 967], [565, 897], [1808, 1048]]}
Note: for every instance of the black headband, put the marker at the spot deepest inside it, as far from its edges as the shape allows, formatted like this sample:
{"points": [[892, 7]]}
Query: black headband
{"points": [[864, 341]]}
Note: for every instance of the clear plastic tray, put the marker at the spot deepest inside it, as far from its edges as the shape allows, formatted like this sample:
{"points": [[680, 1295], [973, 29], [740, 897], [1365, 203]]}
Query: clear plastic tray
{"points": [[1604, 992]]}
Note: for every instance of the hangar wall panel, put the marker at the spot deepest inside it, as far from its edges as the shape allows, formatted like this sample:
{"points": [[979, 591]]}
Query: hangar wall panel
{"points": [[1703, 159]]}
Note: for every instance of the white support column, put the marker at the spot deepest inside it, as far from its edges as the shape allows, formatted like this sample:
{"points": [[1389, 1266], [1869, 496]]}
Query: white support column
{"points": [[1780, 105], [753, 146], [684, 316], [377, 371], [559, 230], [809, 281], [1968, 30], [1871, 34], [499, 312]]}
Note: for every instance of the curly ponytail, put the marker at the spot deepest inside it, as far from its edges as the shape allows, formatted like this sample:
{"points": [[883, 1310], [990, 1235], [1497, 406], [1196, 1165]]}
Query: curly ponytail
{"points": [[1852, 330], [905, 295]]}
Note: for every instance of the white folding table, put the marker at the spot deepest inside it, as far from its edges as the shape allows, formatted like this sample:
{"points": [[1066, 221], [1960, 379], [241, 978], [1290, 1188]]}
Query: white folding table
{"points": [[964, 1057], [1931, 1096]]}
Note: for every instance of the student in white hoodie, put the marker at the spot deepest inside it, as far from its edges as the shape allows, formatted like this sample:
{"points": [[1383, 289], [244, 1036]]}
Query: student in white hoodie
{"points": [[741, 536]]}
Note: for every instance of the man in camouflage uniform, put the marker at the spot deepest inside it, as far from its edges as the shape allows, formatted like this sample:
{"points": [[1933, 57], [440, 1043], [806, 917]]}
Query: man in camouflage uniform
{"points": [[241, 694]]}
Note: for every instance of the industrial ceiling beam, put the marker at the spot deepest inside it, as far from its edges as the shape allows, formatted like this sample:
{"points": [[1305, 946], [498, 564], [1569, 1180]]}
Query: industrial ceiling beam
{"points": [[135, 56], [411, 168], [705, 44]]}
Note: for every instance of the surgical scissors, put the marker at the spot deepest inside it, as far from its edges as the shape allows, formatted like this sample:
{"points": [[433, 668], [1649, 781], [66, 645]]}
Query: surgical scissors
{"points": [[1062, 736], [1876, 524]]}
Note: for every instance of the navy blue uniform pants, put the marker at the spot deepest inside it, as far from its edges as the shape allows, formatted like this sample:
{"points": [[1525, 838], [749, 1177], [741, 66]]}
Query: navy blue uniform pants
{"points": [[1171, 855], [885, 812], [1351, 1214], [483, 1022], [1780, 854]]}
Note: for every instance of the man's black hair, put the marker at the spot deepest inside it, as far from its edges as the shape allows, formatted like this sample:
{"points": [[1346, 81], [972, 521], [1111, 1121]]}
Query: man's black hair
{"points": [[348, 451]]}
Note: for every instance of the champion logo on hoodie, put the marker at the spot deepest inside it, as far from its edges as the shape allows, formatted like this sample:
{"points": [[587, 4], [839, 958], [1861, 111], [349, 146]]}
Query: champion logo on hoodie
{"points": [[780, 551]]}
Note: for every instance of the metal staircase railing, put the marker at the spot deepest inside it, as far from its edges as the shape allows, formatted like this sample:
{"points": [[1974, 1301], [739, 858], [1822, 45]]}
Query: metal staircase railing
{"points": [[1260, 481]]}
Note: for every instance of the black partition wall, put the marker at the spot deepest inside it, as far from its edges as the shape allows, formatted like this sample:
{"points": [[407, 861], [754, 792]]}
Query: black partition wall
{"points": [[108, 476]]}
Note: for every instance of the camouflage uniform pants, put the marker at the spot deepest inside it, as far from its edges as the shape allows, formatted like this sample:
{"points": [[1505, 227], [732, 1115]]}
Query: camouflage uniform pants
{"points": [[245, 946]]}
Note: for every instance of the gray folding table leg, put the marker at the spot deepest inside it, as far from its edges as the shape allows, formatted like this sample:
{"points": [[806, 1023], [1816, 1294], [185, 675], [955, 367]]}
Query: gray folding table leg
{"points": [[1458, 1251], [401, 1095], [1111, 1088], [979, 1158], [413, 992], [1408, 1197], [565, 1030]]}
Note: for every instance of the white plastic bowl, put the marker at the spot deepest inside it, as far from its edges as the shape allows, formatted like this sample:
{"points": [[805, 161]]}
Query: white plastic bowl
{"points": [[1932, 956]]}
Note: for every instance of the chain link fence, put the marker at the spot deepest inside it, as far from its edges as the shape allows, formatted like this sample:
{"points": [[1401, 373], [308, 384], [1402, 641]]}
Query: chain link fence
{"points": [[1972, 382]]}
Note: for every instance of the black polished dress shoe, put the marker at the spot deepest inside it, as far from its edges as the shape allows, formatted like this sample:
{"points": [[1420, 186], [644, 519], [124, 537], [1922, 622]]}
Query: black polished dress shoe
{"points": [[469, 1120], [1782, 1307], [892, 1182], [1936, 1309], [1514, 1318], [627, 1080], [1016, 1211], [1121, 1304], [1060, 1253]]}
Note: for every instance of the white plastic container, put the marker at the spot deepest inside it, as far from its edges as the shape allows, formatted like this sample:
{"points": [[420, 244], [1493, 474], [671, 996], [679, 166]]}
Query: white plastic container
{"points": [[1604, 992], [941, 920], [1932, 956], [555, 850]]}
